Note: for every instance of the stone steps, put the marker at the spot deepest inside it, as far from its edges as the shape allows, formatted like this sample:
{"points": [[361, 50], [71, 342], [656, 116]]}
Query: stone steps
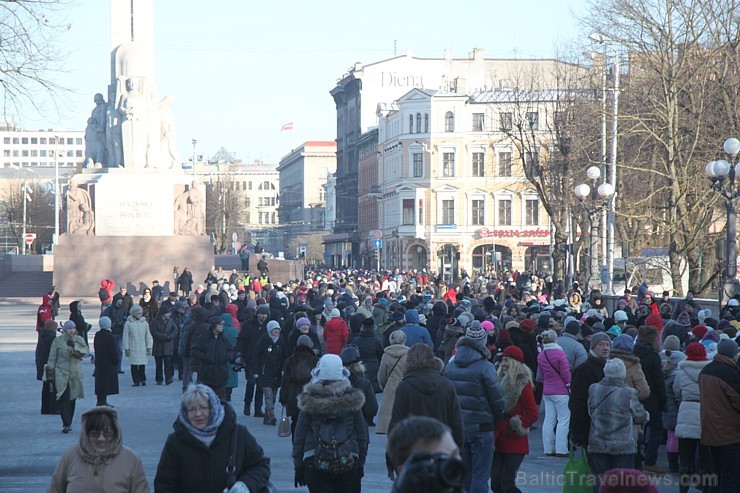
{"points": [[25, 284]]}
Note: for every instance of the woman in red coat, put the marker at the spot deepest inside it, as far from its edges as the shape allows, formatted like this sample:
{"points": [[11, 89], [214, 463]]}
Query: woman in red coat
{"points": [[510, 436], [336, 333]]}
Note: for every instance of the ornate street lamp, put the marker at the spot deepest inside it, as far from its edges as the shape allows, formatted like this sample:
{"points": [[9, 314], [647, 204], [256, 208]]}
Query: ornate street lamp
{"points": [[594, 200], [722, 175]]}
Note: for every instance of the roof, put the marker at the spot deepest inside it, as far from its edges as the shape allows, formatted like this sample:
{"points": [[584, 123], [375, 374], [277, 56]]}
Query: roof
{"points": [[530, 95]]}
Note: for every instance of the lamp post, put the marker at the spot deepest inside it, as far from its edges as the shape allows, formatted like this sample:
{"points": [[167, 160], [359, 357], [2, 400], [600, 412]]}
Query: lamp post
{"points": [[598, 200], [195, 171], [56, 192], [722, 175]]}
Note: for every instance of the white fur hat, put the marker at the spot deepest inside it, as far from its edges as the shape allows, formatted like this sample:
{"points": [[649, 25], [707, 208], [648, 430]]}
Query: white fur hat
{"points": [[329, 368]]}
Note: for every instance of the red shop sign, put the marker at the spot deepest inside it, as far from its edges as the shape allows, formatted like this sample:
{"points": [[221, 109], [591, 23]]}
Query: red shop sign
{"points": [[515, 233]]}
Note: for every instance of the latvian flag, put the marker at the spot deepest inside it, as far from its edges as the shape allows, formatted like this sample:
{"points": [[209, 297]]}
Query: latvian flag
{"points": [[287, 126]]}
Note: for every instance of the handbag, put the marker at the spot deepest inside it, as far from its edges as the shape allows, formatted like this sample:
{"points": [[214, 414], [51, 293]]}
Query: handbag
{"points": [[284, 425], [48, 375], [577, 476]]}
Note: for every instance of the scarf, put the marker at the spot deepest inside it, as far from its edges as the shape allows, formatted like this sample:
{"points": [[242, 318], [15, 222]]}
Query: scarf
{"points": [[207, 434]]}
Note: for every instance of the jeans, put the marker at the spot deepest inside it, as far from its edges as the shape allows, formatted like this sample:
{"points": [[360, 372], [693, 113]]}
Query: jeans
{"points": [[66, 408], [119, 346], [269, 394], [160, 363], [477, 454], [556, 411], [600, 463], [726, 465], [654, 434], [503, 472]]}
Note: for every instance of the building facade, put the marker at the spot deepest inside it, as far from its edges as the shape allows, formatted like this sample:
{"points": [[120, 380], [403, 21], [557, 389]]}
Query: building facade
{"points": [[454, 194], [41, 148], [360, 91], [303, 172]]}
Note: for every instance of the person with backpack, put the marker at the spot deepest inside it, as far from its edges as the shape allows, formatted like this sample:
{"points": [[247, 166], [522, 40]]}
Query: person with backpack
{"points": [[105, 294], [331, 438]]}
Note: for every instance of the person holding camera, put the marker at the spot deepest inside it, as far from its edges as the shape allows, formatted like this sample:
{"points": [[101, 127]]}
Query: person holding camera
{"points": [[65, 368], [425, 457]]}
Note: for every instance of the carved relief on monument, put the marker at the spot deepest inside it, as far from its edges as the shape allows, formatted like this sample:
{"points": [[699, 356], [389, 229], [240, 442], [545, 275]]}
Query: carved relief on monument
{"points": [[80, 215], [189, 212]]}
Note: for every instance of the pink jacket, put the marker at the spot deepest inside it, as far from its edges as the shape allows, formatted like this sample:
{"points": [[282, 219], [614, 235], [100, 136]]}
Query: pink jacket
{"points": [[554, 370]]}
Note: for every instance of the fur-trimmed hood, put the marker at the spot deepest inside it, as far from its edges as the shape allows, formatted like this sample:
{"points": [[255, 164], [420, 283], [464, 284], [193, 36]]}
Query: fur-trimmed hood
{"points": [[331, 398], [415, 364], [469, 351], [628, 358], [512, 386]]}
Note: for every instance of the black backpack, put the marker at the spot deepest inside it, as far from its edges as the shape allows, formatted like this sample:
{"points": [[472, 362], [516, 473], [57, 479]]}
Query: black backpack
{"points": [[337, 450], [103, 294]]}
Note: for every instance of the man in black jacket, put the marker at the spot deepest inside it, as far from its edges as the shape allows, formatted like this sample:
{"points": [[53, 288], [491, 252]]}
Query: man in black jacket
{"points": [[246, 343], [588, 373], [214, 352], [647, 349]]}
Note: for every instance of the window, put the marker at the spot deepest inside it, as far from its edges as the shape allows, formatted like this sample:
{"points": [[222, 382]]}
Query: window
{"points": [[448, 164], [78, 153], [6, 140], [478, 119], [260, 217], [418, 167], [70, 153], [42, 153], [70, 141], [479, 162], [449, 122], [24, 153], [421, 211], [426, 122], [15, 153], [78, 141], [448, 211], [16, 140], [507, 121], [274, 218], [249, 202], [504, 164], [478, 210], [408, 211], [504, 212], [24, 140], [249, 218], [418, 123], [244, 185], [35, 140], [411, 124], [6, 152], [34, 153], [533, 120], [250, 185], [42, 140], [532, 207]]}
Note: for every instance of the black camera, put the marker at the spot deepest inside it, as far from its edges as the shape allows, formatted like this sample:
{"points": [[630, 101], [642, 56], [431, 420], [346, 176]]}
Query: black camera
{"points": [[431, 473]]}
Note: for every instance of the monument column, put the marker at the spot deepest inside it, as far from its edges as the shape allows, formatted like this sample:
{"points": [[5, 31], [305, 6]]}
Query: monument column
{"points": [[132, 21]]}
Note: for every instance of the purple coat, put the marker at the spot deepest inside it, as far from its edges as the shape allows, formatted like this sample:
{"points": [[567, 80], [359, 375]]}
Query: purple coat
{"points": [[554, 370]]}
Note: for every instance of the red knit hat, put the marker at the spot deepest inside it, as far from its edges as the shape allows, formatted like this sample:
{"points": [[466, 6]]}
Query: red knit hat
{"points": [[655, 320], [513, 352], [503, 335], [696, 352], [528, 324], [699, 331]]}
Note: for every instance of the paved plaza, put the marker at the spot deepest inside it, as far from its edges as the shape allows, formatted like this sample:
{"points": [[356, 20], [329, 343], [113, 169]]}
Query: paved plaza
{"points": [[31, 444]]}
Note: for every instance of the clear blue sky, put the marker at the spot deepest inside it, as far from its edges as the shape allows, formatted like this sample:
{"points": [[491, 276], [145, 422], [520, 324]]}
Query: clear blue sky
{"points": [[239, 69]]}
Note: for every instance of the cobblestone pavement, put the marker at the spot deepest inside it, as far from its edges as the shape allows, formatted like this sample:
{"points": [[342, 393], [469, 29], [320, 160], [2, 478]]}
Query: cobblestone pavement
{"points": [[31, 444]]}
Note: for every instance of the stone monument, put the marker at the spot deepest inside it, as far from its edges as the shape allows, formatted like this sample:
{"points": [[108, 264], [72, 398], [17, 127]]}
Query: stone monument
{"points": [[132, 214]]}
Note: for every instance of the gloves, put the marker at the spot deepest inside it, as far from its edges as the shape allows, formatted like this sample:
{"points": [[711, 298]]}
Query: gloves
{"points": [[71, 343], [128, 352], [239, 487], [300, 477], [149, 351]]}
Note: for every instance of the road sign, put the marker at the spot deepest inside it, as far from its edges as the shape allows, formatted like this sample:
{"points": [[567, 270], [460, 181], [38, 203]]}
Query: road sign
{"points": [[29, 238], [303, 244], [377, 234], [377, 244], [483, 232]]}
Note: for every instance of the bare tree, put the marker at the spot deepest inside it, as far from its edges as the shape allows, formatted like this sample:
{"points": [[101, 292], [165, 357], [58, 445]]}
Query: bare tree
{"points": [[682, 82], [225, 207], [39, 211], [28, 29]]}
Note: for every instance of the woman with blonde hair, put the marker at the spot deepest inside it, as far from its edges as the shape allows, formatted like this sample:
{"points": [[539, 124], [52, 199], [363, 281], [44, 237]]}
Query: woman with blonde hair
{"points": [[511, 441], [390, 374]]}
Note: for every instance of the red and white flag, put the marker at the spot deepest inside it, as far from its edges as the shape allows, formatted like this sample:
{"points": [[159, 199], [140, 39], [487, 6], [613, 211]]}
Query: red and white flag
{"points": [[287, 126]]}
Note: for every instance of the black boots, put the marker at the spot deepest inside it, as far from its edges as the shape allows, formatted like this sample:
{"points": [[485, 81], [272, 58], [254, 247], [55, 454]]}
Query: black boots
{"points": [[673, 462], [269, 418], [247, 406]]}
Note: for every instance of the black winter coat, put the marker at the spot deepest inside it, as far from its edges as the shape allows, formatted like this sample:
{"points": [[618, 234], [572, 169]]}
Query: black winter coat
{"points": [[425, 392], [371, 352], [370, 408], [246, 343], [150, 309], [297, 374], [164, 334], [106, 363], [185, 282], [117, 318], [293, 340], [188, 466], [269, 358], [214, 353], [652, 367], [585, 375], [526, 341], [196, 330]]}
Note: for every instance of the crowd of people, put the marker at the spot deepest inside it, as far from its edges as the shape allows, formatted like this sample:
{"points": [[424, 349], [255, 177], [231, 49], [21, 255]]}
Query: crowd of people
{"points": [[479, 358]]}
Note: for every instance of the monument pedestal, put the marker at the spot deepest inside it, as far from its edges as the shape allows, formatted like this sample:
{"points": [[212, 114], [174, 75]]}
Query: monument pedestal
{"points": [[81, 262]]}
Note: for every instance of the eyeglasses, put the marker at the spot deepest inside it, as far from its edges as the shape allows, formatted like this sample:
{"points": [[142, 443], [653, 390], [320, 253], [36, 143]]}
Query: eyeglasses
{"points": [[106, 433]]}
